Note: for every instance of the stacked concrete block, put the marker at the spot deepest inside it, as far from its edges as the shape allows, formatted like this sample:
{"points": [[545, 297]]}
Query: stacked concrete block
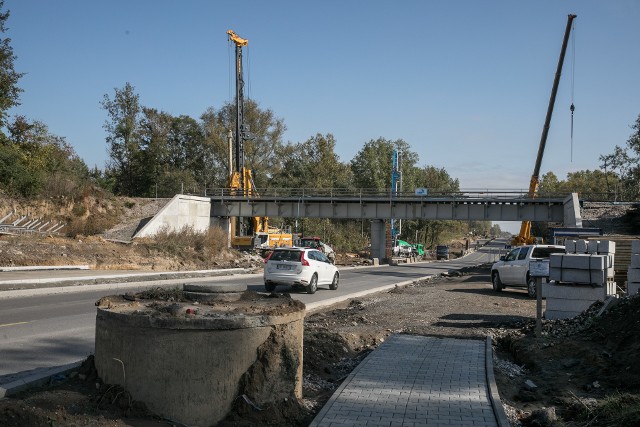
{"points": [[580, 277], [633, 273], [583, 269], [591, 247], [565, 301]]}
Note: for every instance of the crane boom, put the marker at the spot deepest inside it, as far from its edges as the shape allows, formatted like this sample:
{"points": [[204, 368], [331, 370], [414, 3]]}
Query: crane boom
{"points": [[524, 237]]}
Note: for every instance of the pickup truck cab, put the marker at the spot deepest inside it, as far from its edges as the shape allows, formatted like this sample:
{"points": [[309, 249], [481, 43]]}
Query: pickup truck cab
{"points": [[513, 268]]}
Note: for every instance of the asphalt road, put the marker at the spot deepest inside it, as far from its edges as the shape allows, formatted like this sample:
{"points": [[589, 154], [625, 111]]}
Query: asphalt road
{"points": [[41, 328]]}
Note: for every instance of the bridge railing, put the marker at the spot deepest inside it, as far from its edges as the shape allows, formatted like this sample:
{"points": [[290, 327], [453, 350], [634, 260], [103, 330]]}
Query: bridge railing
{"points": [[368, 194]]}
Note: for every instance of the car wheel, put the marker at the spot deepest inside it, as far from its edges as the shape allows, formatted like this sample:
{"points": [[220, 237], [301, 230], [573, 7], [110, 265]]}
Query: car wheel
{"points": [[531, 287], [496, 282], [313, 285], [270, 287], [334, 284]]}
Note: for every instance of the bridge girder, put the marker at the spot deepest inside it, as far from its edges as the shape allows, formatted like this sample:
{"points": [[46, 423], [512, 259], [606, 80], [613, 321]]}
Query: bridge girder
{"points": [[536, 209]]}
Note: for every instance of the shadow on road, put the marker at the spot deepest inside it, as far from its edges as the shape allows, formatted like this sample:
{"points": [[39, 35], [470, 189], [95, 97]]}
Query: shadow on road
{"points": [[510, 293], [465, 320]]}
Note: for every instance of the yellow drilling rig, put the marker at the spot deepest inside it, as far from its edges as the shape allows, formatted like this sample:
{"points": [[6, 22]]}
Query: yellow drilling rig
{"points": [[252, 233]]}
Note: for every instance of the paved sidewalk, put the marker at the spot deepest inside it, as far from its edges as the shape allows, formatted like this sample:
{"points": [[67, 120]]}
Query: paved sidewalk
{"points": [[413, 381]]}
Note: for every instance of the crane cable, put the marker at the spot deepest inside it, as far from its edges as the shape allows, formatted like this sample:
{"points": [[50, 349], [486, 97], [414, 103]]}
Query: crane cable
{"points": [[573, 72]]}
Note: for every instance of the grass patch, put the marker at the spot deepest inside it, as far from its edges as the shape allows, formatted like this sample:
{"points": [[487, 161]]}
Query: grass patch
{"points": [[178, 243], [619, 409]]}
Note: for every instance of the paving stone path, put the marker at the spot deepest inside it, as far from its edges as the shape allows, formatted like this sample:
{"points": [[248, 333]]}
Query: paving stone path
{"points": [[413, 381]]}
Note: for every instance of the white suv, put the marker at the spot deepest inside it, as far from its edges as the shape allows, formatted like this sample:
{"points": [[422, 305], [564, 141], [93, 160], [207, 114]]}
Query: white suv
{"points": [[513, 269], [299, 267]]}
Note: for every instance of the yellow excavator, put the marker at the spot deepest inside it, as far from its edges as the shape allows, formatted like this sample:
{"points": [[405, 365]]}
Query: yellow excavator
{"points": [[524, 237], [252, 233]]}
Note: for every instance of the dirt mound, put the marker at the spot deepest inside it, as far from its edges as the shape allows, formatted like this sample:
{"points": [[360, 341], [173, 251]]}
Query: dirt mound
{"points": [[577, 366]]}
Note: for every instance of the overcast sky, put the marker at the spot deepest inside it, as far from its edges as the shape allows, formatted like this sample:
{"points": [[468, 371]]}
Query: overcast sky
{"points": [[465, 83]]}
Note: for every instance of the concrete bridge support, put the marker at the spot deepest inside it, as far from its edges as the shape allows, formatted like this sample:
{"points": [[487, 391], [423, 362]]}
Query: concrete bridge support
{"points": [[378, 239]]}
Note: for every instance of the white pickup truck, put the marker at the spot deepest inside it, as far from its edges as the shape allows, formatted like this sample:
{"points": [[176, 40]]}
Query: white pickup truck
{"points": [[513, 269]]}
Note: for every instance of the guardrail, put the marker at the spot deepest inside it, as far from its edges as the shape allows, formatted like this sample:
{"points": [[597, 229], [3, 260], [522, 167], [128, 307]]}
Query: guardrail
{"points": [[369, 194]]}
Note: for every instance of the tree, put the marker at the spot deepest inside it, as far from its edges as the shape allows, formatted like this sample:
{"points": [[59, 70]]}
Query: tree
{"points": [[626, 161], [9, 90], [122, 126], [373, 164], [261, 152], [35, 162], [312, 164], [588, 183]]}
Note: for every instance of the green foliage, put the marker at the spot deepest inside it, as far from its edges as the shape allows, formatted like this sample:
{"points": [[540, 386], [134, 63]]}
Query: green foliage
{"points": [[312, 164], [123, 113], [16, 177], [9, 90], [624, 163], [35, 162], [373, 164], [261, 152], [595, 185]]}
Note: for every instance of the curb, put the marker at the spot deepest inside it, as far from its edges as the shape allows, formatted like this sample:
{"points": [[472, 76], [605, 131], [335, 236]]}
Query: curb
{"points": [[314, 307], [494, 397], [38, 379], [46, 267], [115, 286]]}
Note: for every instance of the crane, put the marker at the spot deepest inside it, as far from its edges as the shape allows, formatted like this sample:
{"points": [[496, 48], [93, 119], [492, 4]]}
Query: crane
{"points": [[524, 237], [256, 232]]}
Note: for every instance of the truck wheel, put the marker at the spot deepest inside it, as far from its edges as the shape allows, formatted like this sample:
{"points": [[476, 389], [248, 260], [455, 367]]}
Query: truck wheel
{"points": [[531, 287], [334, 284], [313, 285], [496, 282], [269, 287]]}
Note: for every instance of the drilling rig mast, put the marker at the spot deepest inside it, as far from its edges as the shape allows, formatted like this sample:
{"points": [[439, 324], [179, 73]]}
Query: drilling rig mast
{"points": [[254, 233]]}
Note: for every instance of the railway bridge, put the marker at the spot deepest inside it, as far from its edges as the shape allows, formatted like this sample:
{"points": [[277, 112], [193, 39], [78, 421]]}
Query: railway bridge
{"points": [[489, 205]]}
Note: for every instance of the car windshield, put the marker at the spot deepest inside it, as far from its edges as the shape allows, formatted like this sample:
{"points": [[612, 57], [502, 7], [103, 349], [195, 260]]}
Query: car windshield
{"points": [[285, 255], [545, 252]]}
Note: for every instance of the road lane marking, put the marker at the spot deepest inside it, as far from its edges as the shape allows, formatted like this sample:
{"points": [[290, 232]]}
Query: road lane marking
{"points": [[13, 324]]}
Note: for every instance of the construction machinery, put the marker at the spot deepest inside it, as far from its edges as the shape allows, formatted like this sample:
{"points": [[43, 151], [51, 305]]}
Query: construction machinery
{"points": [[252, 233], [524, 237]]}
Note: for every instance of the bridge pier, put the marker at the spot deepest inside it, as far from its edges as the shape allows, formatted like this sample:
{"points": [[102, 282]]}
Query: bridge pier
{"points": [[378, 239]]}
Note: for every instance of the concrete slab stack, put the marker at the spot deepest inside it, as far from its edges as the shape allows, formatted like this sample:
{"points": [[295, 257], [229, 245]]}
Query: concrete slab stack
{"points": [[579, 277], [633, 273]]}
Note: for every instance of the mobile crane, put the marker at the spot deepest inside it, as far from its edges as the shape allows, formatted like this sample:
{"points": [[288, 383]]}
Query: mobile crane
{"points": [[524, 237], [254, 233]]}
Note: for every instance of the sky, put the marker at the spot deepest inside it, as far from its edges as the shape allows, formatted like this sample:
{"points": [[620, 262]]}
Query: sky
{"points": [[465, 83]]}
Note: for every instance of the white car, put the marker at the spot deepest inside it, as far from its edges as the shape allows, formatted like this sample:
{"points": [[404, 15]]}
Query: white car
{"points": [[513, 269], [299, 267]]}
